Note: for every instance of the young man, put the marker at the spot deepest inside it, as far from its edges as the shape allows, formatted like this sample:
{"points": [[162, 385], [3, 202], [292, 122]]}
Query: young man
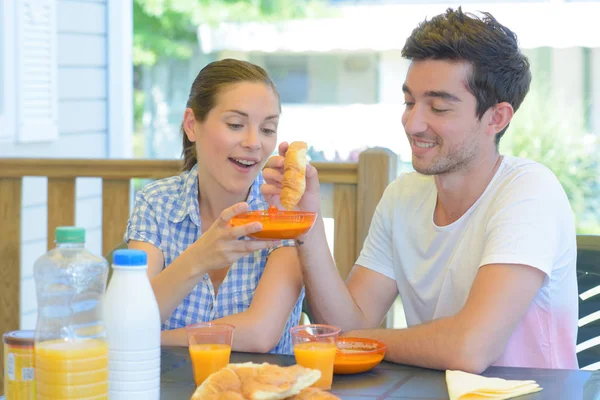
{"points": [[481, 247]]}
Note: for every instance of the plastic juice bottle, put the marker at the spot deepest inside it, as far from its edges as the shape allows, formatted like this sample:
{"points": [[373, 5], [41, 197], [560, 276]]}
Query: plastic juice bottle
{"points": [[71, 353]]}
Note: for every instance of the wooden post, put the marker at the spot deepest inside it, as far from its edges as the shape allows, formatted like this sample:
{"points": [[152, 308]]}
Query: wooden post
{"points": [[377, 168], [10, 259], [61, 205], [115, 212], [345, 212]]}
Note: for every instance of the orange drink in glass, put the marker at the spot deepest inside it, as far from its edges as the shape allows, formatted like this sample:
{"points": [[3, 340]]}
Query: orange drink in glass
{"points": [[210, 348], [314, 347]]}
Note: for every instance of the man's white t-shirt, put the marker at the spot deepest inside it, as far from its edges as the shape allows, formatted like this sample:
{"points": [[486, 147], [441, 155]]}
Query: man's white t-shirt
{"points": [[523, 217]]}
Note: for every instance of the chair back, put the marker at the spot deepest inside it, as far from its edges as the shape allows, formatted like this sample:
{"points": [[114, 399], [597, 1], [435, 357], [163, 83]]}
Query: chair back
{"points": [[588, 281]]}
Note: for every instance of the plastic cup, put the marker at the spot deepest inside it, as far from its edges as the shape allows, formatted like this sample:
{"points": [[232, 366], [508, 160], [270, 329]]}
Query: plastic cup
{"points": [[315, 347], [210, 348]]}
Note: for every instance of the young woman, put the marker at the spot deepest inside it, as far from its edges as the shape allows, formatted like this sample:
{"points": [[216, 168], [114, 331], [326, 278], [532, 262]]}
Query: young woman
{"points": [[201, 268]]}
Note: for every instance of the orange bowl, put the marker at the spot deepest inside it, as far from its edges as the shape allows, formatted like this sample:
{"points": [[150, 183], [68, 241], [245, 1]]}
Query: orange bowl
{"points": [[277, 225], [356, 355]]}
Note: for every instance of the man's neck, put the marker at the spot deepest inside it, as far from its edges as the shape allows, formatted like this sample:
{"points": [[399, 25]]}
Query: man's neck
{"points": [[458, 191]]}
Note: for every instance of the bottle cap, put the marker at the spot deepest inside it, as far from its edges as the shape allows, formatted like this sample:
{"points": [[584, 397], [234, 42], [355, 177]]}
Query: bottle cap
{"points": [[130, 258], [69, 234]]}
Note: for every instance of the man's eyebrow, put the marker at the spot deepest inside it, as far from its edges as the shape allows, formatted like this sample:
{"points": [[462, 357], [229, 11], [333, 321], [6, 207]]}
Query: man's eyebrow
{"points": [[434, 93], [243, 114], [442, 95]]}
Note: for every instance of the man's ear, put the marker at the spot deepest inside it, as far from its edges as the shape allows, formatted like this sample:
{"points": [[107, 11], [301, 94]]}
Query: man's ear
{"points": [[501, 115], [189, 123]]}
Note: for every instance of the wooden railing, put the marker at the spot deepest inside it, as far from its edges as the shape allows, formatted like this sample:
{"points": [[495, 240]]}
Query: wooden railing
{"points": [[357, 188]]}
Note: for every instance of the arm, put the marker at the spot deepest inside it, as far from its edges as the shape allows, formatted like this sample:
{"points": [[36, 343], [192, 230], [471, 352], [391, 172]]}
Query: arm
{"points": [[477, 335], [361, 302], [171, 285], [260, 327], [218, 247], [368, 296]]}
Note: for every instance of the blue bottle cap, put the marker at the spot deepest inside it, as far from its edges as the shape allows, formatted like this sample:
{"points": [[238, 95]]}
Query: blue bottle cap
{"points": [[130, 258]]}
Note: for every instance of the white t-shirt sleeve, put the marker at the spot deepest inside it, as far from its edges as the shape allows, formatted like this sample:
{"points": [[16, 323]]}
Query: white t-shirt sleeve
{"points": [[528, 223], [377, 251]]}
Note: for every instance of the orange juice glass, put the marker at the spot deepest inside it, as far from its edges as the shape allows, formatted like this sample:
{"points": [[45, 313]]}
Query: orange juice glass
{"points": [[71, 369], [210, 348], [314, 347]]}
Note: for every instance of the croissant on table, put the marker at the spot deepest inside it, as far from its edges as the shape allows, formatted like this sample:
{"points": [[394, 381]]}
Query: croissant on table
{"points": [[294, 172], [249, 381]]}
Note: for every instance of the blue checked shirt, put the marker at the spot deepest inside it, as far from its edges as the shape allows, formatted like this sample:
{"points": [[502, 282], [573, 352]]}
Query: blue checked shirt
{"points": [[166, 214]]}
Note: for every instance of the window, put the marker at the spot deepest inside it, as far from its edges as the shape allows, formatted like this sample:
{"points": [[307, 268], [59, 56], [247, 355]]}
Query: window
{"points": [[30, 72]]}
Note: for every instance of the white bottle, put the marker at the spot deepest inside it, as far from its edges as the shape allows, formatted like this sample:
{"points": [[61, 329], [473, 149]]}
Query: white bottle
{"points": [[132, 321]]}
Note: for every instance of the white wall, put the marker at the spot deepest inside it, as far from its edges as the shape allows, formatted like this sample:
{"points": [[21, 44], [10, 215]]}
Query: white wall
{"points": [[82, 47]]}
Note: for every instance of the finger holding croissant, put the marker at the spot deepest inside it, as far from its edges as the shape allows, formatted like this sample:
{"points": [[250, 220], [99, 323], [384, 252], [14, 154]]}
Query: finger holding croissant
{"points": [[290, 181]]}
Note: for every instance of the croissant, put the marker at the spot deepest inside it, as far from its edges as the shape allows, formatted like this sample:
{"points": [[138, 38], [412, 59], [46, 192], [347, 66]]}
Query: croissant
{"points": [[250, 381], [294, 182]]}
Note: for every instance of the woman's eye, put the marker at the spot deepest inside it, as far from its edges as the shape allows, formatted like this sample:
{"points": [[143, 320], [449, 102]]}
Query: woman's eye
{"points": [[268, 131], [409, 104], [235, 126]]}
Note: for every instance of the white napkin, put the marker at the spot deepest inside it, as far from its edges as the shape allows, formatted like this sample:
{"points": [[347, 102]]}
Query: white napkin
{"points": [[465, 386]]}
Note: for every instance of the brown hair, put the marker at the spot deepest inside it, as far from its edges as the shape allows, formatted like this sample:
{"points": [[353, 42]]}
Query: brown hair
{"points": [[500, 72], [206, 87]]}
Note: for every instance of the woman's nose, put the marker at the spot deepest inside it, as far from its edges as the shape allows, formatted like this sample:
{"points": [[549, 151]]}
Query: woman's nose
{"points": [[251, 139]]}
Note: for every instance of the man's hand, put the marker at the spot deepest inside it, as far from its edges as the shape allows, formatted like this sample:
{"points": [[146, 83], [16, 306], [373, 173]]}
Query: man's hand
{"points": [[273, 175]]}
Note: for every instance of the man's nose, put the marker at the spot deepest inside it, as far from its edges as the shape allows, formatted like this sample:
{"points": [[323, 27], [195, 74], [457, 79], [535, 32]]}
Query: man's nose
{"points": [[414, 120]]}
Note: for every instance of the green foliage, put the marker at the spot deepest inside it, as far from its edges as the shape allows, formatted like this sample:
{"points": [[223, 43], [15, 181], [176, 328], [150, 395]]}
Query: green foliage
{"points": [[544, 131], [167, 28]]}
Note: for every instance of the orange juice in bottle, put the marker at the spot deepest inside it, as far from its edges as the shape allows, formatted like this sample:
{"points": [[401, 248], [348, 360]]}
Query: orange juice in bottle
{"points": [[72, 369], [208, 358], [71, 353]]}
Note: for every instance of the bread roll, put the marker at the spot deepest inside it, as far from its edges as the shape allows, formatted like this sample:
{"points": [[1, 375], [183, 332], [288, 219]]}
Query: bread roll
{"points": [[294, 181]]}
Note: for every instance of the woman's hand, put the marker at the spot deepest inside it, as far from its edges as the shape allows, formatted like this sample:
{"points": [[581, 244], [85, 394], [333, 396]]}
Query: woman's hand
{"points": [[220, 246], [273, 174]]}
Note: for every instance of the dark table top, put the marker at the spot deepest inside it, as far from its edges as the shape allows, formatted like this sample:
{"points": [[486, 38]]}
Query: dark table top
{"points": [[389, 381]]}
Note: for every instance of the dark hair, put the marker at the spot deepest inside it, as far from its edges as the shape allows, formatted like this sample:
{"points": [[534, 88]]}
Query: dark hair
{"points": [[206, 87], [499, 71]]}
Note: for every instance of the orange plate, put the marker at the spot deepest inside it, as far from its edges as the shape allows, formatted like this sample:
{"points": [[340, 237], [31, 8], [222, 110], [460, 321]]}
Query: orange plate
{"points": [[356, 355], [277, 225]]}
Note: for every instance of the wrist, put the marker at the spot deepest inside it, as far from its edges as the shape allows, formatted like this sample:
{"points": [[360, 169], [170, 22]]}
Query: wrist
{"points": [[317, 230], [195, 262]]}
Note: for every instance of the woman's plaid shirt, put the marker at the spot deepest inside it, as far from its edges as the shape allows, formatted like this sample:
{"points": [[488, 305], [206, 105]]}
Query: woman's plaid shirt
{"points": [[166, 215]]}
